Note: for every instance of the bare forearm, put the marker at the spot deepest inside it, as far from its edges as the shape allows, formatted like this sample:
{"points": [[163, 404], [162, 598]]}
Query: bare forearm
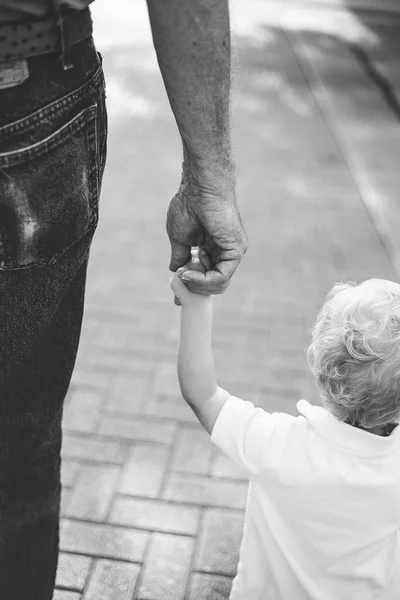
{"points": [[192, 41], [196, 370]]}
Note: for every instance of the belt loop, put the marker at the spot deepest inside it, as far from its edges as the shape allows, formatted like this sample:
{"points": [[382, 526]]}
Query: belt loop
{"points": [[65, 34]]}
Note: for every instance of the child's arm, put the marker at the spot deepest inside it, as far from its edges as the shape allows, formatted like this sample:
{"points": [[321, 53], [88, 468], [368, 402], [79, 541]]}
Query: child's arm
{"points": [[196, 370]]}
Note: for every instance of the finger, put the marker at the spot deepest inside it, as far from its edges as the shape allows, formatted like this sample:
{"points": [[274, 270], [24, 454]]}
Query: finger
{"points": [[214, 281], [205, 259], [182, 270], [180, 255], [177, 286]]}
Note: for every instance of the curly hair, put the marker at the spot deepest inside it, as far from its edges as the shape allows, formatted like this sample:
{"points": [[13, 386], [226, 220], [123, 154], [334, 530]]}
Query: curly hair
{"points": [[355, 352]]}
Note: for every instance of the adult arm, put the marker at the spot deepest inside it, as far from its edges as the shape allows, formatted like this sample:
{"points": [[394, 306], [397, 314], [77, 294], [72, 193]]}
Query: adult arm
{"points": [[192, 42]]}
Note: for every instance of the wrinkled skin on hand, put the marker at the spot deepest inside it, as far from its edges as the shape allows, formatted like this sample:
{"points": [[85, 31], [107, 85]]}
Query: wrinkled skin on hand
{"points": [[204, 213]]}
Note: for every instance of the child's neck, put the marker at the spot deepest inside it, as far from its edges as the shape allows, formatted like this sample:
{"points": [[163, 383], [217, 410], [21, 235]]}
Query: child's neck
{"points": [[383, 431]]}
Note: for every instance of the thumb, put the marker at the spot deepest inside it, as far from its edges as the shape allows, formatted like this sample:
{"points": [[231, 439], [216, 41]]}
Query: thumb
{"points": [[180, 255]]}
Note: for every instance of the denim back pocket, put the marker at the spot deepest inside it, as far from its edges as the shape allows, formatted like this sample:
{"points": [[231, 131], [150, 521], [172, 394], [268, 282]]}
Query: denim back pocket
{"points": [[49, 180]]}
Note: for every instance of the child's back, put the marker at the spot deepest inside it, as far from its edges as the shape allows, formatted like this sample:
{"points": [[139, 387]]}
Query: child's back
{"points": [[323, 512]]}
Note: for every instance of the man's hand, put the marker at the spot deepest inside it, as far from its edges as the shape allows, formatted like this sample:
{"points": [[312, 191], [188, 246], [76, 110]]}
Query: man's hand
{"points": [[204, 213]]}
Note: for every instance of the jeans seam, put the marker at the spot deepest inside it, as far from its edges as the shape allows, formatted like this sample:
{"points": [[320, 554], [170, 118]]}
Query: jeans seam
{"points": [[55, 107], [16, 157]]}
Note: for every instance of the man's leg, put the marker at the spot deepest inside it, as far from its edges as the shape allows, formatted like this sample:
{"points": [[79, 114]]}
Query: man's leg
{"points": [[30, 432], [52, 156]]}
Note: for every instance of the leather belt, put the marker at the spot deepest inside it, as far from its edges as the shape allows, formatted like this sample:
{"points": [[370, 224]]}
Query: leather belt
{"points": [[35, 37]]}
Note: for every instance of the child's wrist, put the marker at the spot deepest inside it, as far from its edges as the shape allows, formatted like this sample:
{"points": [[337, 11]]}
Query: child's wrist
{"points": [[198, 302]]}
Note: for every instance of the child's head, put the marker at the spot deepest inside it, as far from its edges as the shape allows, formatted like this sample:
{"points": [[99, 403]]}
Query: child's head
{"points": [[355, 352]]}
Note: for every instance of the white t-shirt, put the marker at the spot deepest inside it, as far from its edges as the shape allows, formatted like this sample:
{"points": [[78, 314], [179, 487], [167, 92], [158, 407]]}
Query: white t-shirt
{"points": [[323, 509]]}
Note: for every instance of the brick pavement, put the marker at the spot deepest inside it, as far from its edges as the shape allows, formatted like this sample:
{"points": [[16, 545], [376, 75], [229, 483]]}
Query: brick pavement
{"points": [[150, 510]]}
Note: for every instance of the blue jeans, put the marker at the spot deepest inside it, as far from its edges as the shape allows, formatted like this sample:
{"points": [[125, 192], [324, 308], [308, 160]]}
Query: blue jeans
{"points": [[53, 137]]}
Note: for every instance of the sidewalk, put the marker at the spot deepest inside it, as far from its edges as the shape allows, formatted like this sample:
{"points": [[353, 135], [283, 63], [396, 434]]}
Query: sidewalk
{"points": [[150, 510]]}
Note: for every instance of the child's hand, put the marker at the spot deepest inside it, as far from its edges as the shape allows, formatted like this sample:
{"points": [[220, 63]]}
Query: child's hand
{"points": [[183, 295], [200, 261]]}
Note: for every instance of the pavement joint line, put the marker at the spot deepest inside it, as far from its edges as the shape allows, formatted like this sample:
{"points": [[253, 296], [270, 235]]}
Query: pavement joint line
{"points": [[145, 562], [102, 557], [149, 530], [115, 495], [86, 387], [194, 553], [66, 588], [183, 503], [97, 437], [214, 573], [89, 576], [123, 441], [142, 415], [168, 464], [139, 578], [103, 523], [92, 463], [132, 416], [385, 238], [111, 370]]}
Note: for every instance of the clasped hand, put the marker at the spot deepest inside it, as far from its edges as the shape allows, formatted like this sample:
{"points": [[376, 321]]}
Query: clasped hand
{"points": [[178, 280], [204, 213]]}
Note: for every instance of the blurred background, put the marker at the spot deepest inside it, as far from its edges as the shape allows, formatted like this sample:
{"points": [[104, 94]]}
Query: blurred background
{"points": [[151, 510]]}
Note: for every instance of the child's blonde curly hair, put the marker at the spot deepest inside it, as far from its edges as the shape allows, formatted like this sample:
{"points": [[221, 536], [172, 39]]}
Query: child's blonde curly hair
{"points": [[355, 352]]}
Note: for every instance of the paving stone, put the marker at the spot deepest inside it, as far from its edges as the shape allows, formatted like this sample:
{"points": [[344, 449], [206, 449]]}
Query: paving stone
{"points": [[144, 471], [66, 595], [103, 541], [192, 451], [209, 587], [219, 540], [137, 428], [166, 379], [65, 498], [69, 470], [82, 411], [205, 491], [116, 334], [127, 393], [169, 406], [85, 376], [222, 466], [93, 492], [111, 364], [72, 571], [154, 515], [112, 580], [167, 566], [93, 449]]}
